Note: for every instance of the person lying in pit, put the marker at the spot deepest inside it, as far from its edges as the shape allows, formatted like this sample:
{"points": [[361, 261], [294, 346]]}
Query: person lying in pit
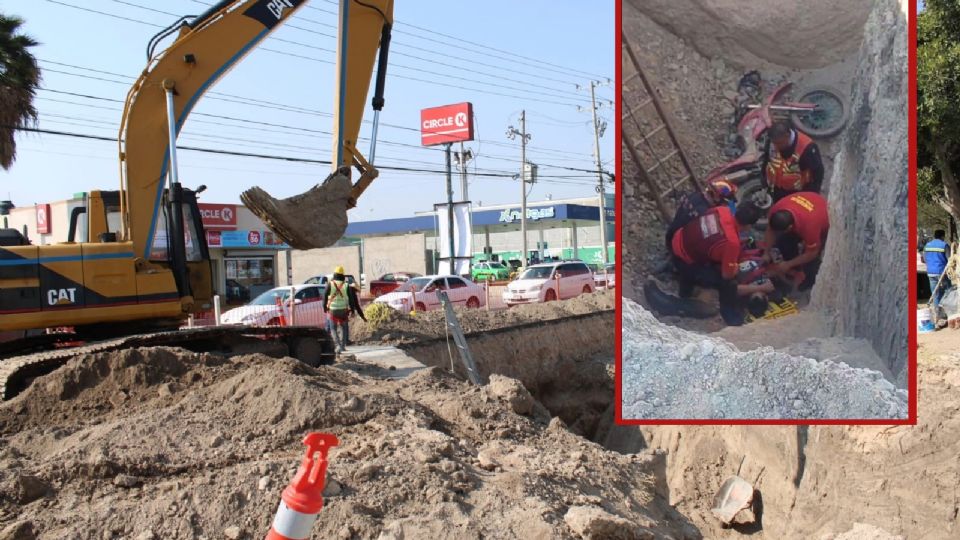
{"points": [[755, 289]]}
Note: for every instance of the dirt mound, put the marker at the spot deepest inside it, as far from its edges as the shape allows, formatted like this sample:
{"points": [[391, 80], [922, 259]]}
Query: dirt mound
{"points": [[418, 457], [111, 385], [400, 328], [674, 373]]}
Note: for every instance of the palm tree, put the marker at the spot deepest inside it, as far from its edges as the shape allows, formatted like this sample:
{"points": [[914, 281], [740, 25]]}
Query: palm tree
{"points": [[19, 80]]}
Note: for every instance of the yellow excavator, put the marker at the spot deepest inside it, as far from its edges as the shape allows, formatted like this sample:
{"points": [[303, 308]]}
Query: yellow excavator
{"points": [[145, 265]]}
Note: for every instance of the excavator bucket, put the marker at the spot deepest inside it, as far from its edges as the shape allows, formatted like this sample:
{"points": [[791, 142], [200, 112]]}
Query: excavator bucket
{"points": [[735, 496], [315, 219]]}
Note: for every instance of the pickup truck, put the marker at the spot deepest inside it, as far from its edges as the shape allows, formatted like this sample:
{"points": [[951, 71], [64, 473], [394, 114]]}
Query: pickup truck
{"points": [[389, 282]]}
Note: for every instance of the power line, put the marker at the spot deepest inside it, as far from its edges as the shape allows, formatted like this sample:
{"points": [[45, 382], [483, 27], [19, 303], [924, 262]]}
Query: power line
{"points": [[296, 128], [256, 143], [402, 66], [458, 43], [459, 40], [267, 156]]}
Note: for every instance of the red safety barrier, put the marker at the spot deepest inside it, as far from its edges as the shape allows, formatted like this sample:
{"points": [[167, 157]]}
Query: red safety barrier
{"points": [[302, 500]]}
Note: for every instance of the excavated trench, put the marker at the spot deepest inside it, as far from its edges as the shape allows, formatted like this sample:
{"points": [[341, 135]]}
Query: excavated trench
{"points": [[694, 52], [566, 364]]}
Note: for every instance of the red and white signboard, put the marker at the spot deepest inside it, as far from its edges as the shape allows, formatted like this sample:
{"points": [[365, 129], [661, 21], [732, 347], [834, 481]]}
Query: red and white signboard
{"points": [[221, 217], [214, 239], [43, 219], [447, 124]]}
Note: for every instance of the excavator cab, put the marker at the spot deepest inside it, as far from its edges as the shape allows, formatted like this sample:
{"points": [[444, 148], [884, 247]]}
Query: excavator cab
{"points": [[144, 258]]}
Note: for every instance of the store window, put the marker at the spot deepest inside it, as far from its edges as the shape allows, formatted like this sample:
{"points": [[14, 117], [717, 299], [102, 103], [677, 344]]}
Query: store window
{"points": [[248, 278]]}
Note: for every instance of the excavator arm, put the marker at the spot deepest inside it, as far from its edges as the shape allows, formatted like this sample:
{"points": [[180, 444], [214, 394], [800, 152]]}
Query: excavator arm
{"points": [[205, 48]]}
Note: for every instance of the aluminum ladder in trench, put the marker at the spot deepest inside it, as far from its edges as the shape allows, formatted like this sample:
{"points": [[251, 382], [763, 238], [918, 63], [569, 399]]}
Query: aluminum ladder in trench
{"points": [[453, 328], [650, 140]]}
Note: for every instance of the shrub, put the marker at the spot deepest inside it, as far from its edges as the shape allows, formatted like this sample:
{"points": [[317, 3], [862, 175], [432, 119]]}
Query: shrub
{"points": [[376, 313]]}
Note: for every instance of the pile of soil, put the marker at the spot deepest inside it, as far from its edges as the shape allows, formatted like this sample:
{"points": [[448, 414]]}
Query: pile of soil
{"points": [[164, 443], [673, 373], [402, 328]]}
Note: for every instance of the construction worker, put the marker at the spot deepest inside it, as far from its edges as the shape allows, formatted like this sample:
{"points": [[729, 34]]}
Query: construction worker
{"points": [[936, 253], [706, 252], [694, 204], [340, 301], [792, 162], [797, 229]]}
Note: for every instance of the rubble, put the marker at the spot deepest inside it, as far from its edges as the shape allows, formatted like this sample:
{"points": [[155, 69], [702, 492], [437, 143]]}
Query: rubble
{"points": [[669, 372]]}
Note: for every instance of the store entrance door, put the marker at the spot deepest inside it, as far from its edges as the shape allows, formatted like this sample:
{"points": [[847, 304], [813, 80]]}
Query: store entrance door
{"points": [[248, 277]]}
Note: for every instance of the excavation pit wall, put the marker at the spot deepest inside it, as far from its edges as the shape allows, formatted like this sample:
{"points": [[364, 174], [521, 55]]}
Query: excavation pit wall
{"points": [[696, 49], [566, 364]]}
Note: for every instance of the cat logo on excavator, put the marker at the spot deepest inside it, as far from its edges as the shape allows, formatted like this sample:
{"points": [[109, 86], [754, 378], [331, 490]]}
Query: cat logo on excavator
{"points": [[57, 297], [277, 6]]}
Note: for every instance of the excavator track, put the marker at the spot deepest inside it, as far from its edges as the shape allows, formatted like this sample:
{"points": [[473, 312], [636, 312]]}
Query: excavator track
{"points": [[17, 372]]}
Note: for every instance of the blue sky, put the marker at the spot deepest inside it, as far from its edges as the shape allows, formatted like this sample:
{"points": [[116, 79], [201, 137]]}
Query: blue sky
{"points": [[521, 55]]}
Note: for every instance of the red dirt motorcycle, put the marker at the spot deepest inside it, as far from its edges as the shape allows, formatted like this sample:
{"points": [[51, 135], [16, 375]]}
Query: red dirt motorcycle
{"points": [[821, 113]]}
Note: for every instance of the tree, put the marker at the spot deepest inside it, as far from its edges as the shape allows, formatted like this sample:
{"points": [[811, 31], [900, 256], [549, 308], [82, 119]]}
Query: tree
{"points": [[19, 80]]}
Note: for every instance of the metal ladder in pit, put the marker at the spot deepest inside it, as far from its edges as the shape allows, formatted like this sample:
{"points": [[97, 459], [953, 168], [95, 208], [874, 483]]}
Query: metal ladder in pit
{"points": [[453, 327], [650, 140]]}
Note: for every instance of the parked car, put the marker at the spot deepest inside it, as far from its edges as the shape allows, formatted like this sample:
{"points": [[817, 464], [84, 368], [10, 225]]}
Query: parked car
{"points": [[549, 281], [605, 276], [390, 282], [485, 270], [322, 280], [264, 311], [420, 293]]}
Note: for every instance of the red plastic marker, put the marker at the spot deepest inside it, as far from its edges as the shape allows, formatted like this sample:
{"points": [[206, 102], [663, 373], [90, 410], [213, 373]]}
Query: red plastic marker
{"points": [[302, 500]]}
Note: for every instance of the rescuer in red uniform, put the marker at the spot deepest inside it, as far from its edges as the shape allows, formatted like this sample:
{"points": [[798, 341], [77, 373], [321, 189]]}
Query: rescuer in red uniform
{"points": [[798, 226], [792, 162], [706, 252]]}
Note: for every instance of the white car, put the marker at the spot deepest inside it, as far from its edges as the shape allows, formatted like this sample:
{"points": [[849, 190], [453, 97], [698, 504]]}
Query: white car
{"points": [[420, 293], [549, 281], [606, 277], [307, 308]]}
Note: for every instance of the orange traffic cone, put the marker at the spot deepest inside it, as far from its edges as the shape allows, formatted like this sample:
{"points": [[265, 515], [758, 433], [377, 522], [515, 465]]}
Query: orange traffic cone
{"points": [[302, 500], [282, 317]]}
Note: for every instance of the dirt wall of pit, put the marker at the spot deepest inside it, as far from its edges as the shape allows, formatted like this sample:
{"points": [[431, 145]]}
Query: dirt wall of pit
{"points": [[566, 364], [862, 282], [801, 35], [816, 481], [535, 353]]}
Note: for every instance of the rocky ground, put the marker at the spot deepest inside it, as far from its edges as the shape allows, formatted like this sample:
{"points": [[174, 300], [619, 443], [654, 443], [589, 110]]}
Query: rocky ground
{"points": [[826, 482], [159, 443], [668, 372], [162, 443]]}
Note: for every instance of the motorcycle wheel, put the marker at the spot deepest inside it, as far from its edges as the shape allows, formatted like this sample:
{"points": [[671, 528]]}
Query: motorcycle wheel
{"points": [[752, 190], [831, 115]]}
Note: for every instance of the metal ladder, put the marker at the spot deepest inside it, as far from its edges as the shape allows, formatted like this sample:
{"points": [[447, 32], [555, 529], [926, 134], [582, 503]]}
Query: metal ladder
{"points": [[453, 327], [650, 140]]}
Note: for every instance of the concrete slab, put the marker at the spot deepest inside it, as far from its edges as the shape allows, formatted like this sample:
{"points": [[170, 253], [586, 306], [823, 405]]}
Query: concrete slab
{"points": [[380, 361]]}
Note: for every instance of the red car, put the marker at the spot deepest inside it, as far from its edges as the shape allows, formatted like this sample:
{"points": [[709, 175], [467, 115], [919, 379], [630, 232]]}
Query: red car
{"points": [[389, 282]]}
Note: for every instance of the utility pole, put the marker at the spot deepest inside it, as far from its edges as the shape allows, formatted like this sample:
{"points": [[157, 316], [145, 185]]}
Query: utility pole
{"points": [[598, 130], [524, 137], [463, 157]]}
